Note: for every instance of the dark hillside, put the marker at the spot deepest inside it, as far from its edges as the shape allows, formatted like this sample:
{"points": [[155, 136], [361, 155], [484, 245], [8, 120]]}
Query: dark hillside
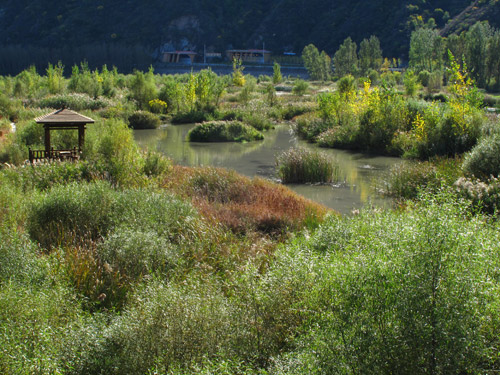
{"points": [[282, 25]]}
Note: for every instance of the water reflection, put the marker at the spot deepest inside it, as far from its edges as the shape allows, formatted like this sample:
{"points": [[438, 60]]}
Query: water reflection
{"points": [[357, 171]]}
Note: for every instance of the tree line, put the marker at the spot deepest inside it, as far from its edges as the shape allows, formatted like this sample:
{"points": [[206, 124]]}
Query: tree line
{"points": [[477, 49]]}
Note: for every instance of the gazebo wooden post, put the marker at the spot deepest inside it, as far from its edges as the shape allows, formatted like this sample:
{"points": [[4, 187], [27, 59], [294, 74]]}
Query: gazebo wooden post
{"points": [[81, 137], [47, 139]]}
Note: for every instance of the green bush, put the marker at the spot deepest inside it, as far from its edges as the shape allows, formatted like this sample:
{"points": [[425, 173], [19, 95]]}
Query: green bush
{"points": [[76, 213], [137, 252], [484, 159], [300, 87], [70, 213], [111, 148], [76, 102], [424, 77], [156, 164], [224, 131], [143, 120], [404, 292], [191, 117], [299, 165], [346, 85], [408, 180]]}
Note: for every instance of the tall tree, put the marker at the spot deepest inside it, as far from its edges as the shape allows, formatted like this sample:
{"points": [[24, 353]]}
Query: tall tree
{"points": [[426, 50], [345, 59], [370, 55], [317, 64], [494, 58], [477, 40]]}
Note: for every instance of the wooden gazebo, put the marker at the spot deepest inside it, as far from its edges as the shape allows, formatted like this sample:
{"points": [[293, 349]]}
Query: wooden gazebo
{"points": [[62, 119]]}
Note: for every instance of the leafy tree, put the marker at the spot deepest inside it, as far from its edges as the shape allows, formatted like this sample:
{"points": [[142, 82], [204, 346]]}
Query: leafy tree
{"points": [[494, 58], [370, 55], [55, 78], [143, 88], [238, 77], [277, 77], [345, 59], [426, 50], [317, 64], [477, 40]]}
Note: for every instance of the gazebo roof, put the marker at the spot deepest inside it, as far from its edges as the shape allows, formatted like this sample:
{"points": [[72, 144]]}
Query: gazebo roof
{"points": [[64, 117]]}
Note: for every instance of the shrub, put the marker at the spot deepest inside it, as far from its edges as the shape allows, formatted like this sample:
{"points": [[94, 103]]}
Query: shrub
{"points": [[77, 213], [156, 164], [224, 131], [484, 196], [76, 102], [408, 179], [277, 78], [191, 117], [484, 159], [290, 111], [424, 77], [310, 127], [299, 165], [110, 146], [137, 252], [347, 85], [300, 87], [397, 291], [257, 120], [373, 76], [143, 120], [69, 213]]}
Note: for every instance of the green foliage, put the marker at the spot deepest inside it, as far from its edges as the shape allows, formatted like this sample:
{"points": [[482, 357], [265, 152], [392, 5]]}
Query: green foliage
{"points": [[76, 102], [370, 56], [238, 77], [271, 95], [424, 77], [277, 77], [409, 180], [87, 82], [143, 120], [299, 165], [224, 131], [318, 65], [190, 117], [137, 252], [155, 164], [426, 50], [300, 87], [411, 84], [75, 213], [345, 60], [55, 78], [396, 291], [347, 85], [110, 146], [484, 159], [143, 88]]}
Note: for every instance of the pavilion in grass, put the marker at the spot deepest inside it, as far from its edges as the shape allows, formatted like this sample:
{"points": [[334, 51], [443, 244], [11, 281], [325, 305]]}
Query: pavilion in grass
{"points": [[62, 119]]}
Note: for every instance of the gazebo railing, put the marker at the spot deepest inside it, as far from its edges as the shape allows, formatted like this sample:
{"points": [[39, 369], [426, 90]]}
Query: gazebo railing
{"points": [[37, 155]]}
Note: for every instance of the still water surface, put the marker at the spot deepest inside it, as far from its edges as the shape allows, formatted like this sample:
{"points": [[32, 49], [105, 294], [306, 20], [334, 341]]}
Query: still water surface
{"points": [[359, 173]]}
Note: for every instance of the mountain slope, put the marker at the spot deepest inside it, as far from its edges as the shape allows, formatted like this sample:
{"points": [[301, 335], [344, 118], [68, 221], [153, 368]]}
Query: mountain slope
{"points": [[220, 24]]}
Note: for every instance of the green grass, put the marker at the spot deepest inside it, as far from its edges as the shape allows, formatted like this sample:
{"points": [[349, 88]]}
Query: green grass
{"points": [[299, 165]]}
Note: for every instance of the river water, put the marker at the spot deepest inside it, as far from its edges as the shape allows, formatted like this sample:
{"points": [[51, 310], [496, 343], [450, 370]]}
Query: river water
{"points": [[359, 173]]}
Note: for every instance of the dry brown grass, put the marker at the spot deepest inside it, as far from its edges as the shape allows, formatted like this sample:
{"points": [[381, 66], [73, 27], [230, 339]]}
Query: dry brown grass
{"points": [[242, 204]]}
